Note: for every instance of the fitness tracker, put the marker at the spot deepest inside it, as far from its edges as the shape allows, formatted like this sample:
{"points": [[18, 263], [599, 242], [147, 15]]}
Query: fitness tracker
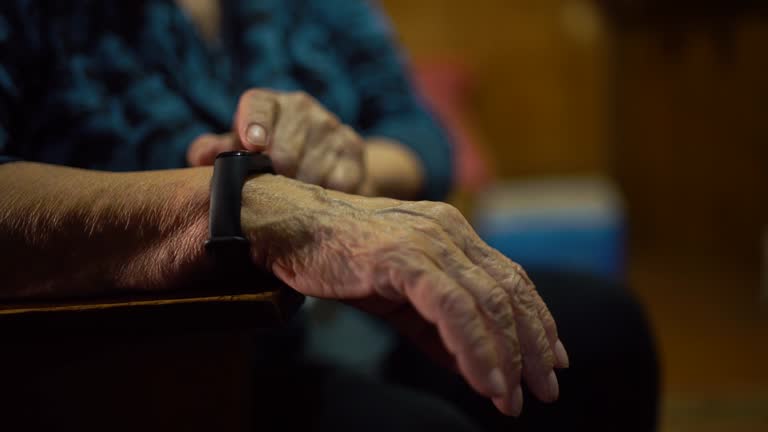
{"points": [[226, 243], [230, 252]]}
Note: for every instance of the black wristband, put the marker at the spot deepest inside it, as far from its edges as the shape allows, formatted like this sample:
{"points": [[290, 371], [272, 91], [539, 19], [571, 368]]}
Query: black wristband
{"points": [[226, 243]]}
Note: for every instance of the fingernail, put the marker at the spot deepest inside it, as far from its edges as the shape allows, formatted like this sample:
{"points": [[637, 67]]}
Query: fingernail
{"points": [[516, 401], [553, 386], [256, 135], [496, 379], [561, 355]]}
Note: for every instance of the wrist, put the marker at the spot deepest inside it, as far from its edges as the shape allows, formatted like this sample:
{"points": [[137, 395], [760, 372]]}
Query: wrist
{"points": [[169, 252], [394, 170], [274, 209]]}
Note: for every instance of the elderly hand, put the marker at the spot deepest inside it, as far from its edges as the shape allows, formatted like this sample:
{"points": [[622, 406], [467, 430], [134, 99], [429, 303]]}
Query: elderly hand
{"points": [[420, 265], [304, 140]]}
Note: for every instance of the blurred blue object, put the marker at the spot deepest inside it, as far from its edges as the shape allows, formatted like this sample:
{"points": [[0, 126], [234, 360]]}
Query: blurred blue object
{"points": [[556, 224]]}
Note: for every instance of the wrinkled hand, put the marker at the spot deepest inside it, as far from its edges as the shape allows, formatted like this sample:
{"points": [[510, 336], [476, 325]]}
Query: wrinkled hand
{"points": [[304, 140], [421, 266]]}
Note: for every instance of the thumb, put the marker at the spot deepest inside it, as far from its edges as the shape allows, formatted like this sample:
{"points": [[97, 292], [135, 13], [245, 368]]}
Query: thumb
{"points": [[255, 119]]}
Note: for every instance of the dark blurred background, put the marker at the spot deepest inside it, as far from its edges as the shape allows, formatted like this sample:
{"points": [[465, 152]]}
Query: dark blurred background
{"points": [[635, 134]]}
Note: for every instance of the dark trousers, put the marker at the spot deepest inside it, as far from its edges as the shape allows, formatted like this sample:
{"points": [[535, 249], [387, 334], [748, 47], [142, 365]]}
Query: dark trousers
{"points": [[612, 383]]}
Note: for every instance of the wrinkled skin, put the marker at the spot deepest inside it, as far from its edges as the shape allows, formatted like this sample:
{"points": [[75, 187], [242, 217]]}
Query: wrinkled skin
{"points": [[304, 140], [417, 264], [421, 266]]}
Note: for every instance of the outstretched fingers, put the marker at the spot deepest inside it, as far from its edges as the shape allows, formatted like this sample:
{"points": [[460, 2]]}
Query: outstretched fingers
{"points": [[455, 313], [496, 307], [540, 346]]}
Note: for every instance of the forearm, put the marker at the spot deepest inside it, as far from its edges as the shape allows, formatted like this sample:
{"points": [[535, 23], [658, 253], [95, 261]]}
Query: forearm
{"points": [[394, 170], [69, 232]]}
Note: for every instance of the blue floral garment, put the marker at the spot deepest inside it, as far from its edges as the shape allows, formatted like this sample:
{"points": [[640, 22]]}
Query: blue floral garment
{"points": [[127, 85]]}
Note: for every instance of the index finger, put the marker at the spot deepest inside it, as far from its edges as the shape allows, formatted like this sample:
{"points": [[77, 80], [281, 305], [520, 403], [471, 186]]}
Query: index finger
{"points": [[257, 113]]}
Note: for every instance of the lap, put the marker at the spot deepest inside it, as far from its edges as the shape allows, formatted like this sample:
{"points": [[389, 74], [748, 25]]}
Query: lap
{"points": [[612, 383], [315, 397]]}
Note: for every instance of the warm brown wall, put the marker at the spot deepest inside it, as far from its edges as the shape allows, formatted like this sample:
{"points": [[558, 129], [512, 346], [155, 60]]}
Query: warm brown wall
{"points": [[692, 143], [540, 73], [692, 156]]}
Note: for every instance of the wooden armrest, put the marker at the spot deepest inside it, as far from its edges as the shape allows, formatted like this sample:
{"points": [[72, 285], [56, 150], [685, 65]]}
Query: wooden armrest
{"points": [[191, 310], [171, 361]]}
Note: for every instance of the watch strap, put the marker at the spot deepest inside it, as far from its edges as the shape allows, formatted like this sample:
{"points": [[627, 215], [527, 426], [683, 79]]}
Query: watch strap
{"points": [[226, 241]]}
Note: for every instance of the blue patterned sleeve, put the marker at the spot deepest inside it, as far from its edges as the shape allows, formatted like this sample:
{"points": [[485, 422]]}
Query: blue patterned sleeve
{"points": [[390, 106], [18, 48]]}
